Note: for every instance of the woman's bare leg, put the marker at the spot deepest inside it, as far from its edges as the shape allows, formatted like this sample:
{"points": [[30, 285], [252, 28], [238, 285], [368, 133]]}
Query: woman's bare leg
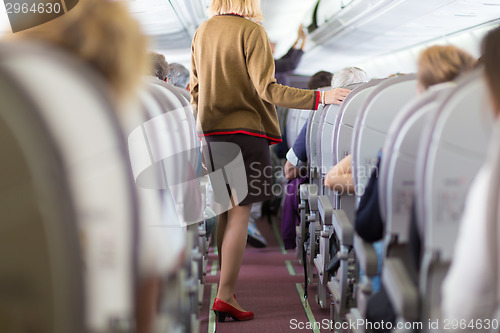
{"points": [[233, 247], [221, 228]]}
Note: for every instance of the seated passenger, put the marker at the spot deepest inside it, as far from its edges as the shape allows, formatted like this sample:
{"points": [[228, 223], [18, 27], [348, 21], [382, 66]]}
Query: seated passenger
{"points": [[436, 64], [290, 61], [470, 289], [296, 156], [296, 164], [178, 76], [159, 66]]}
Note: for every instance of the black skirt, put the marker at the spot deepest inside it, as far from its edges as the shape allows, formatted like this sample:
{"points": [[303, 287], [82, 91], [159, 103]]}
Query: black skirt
{"points": [[239, 166]]}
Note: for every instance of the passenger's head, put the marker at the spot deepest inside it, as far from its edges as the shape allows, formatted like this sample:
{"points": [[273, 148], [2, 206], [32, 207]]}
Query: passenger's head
{"points": [[438, 64], [103, 34], [178, 75], [349, 75], [247, 8], [490, 59], [319, 80], [158, 65]]}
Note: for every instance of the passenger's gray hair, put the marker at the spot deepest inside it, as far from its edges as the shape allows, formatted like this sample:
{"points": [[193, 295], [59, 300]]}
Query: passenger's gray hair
{"points": [[178, 75], [349, 75]]}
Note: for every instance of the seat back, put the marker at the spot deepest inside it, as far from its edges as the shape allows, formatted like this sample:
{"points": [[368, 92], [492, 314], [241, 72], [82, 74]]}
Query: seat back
{"points": [[41, 271], [397, 169], [302, 120], [452, 150], [372, 124], [76, 110], [312, 144], [183, 92], [291, 126], [165, 151], [341, 139], [349, 110], [326, 133], [294, 123], [181, 101], [493, 208]]}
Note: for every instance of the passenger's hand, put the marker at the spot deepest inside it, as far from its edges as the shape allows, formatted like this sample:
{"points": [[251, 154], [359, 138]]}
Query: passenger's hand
{"points": [[291, 172], [336, 96]]}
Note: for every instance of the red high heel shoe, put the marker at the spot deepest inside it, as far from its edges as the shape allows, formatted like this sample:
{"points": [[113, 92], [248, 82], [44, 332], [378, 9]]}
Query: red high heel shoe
{"points": [[222, 310]]}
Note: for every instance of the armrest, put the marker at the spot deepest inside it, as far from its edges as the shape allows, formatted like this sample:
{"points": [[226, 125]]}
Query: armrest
{"points": [[325, 210], [343, 227], [313, 172], [309, 192], [400, 288], [304, 192], [313, 203], [366, 255]]}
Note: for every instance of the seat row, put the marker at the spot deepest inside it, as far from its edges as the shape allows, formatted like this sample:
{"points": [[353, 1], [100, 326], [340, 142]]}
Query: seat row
{"points": [[96, 233], [427, 164]]}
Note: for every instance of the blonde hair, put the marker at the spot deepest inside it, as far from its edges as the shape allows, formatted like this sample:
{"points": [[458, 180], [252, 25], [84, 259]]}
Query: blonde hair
{"points": [[247, 8], [103, 34], [438, 64]]}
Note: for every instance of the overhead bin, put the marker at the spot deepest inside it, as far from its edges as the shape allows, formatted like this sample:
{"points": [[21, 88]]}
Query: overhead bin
{"points": [[368, 18], [364, 31]]}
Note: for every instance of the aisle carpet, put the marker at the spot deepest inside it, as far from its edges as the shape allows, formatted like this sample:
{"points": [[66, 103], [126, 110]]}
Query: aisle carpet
{"points": [[271, 285]]}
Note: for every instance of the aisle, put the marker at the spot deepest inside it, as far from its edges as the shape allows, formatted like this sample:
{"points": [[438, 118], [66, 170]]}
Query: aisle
{"points": [[271, 285]]}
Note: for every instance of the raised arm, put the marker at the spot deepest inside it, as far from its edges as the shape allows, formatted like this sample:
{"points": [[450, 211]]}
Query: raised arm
{"points": [[260, 65]]}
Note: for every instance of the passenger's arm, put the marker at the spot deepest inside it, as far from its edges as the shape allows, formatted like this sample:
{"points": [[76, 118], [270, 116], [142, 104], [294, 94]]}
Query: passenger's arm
{"points": [[294, 166], [299, 146], [289, 62], [293, 49], [339, 178], [260, 65], [291, 59], [291, 172], [302, 35]]}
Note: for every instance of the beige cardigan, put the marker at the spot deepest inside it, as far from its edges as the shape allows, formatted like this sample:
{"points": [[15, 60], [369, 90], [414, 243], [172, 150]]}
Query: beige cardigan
{"points": [[233, 88]]}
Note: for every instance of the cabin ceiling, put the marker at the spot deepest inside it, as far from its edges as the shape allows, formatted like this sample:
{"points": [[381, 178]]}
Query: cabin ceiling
{"points": [[361, 30], [350, 31]]}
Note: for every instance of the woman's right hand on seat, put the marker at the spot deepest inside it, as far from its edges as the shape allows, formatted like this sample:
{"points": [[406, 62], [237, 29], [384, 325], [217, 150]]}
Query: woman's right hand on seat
{"points": [[336, 96]]}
